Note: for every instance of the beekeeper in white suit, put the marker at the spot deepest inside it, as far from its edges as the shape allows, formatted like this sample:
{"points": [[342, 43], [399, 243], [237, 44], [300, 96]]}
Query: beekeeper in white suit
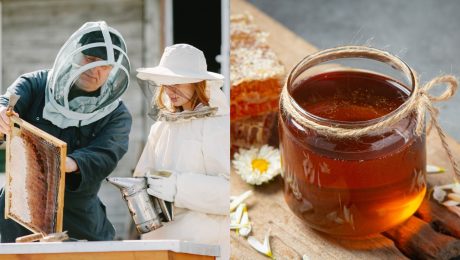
{"points": [[191, 140]]}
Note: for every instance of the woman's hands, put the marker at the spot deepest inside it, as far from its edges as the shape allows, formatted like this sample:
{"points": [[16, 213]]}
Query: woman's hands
{"points": [[162, 185]]}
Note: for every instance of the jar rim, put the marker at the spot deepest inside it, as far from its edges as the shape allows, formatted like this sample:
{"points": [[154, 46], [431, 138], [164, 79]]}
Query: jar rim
{"points": [[348, 52]]}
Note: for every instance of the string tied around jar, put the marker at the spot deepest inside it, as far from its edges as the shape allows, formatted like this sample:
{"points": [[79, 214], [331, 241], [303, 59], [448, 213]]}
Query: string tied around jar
{"points": [[419, 102]]}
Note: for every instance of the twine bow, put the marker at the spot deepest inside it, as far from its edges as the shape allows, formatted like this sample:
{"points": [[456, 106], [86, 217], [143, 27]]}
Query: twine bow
{"points": [[426, 103], [420, 101]]}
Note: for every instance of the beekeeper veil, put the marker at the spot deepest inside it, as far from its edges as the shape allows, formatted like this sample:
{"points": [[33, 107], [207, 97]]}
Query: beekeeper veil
{"points": [[180, 64], [90, 73]]}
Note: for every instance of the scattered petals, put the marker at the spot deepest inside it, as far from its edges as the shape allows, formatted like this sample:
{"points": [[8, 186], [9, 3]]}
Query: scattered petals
{"points": [[257, 165], [239, 220], [449, 186], [238, 226], [238, 200], [434, 169], [439, 194], [262, 248], [450, 203], [246, 229], [449, 196], [235, 217], [454, 197], [456, 189]]}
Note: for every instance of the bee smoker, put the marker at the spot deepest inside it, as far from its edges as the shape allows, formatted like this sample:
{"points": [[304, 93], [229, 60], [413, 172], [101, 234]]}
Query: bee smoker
{"points": [[147, 211]]}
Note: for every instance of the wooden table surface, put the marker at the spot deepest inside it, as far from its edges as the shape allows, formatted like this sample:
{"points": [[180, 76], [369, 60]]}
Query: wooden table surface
{"points": [[109, 250], [290, 238]]}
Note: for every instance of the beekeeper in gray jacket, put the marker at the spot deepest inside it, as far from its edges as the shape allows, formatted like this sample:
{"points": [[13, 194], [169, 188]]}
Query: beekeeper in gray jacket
{"points": [[78, 102]]}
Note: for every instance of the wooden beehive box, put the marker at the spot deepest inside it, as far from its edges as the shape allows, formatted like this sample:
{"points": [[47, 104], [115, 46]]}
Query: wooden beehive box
{"points": [[35, 178]]}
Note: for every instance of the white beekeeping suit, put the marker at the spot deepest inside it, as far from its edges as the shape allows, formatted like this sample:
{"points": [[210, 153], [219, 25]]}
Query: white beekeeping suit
{"points": [[195, 146]]}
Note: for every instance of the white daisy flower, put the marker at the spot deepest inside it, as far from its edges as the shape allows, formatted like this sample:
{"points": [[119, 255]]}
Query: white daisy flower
{"points": [[256, 166]]}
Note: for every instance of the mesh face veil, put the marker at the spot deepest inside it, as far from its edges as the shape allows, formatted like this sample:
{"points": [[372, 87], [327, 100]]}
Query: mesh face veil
{"points": [[149, 88], [90, 73], [181, 64]]}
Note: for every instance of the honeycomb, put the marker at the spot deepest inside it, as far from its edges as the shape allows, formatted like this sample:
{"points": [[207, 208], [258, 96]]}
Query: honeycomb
{"points": [[34, 177], [256, 75]]}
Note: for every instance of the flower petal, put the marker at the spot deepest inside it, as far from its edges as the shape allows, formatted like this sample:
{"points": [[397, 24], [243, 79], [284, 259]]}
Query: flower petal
{"points": [[449, 186], [434, 169], [439, 194], [456, 189], [267, 243], [235, 217], [238, 226], [262, 248], [454, 196], [450, 203], [238, 200], [245, 222], [254, 243]]}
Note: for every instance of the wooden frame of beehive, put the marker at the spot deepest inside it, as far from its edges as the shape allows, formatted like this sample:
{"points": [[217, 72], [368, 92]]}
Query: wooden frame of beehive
{"points": [[35, 151]]}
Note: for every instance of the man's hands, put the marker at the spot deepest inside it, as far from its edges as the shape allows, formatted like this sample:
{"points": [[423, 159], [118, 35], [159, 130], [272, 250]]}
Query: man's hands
{"points": [[70, 165], [161, 185], [5, 120]]}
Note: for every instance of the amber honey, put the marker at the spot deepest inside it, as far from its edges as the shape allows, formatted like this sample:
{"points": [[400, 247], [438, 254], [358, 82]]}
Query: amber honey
{"points": [[352, 186]]}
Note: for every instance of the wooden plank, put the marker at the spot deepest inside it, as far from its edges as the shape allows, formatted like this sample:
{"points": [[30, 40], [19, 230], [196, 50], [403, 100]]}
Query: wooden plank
{"points": [[418, 239], [61, 189], [7, 181], [129, 255], [290, 237], [37, 131]]}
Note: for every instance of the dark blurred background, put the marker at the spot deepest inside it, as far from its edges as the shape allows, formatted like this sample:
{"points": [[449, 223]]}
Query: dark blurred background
{"points": [[423, 33], [199, 23]]}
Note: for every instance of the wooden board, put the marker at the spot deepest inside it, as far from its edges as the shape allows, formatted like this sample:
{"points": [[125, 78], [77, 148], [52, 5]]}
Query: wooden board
{"points": [[125, 249], [290, 237], [40, 193], [129, 255]]}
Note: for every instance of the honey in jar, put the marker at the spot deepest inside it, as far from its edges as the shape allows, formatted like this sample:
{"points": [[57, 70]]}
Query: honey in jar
{"points": [[354, 186]]}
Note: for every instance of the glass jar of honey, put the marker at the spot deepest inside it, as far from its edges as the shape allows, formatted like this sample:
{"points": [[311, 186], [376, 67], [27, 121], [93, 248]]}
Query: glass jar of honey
{"points": [[357, 185]]}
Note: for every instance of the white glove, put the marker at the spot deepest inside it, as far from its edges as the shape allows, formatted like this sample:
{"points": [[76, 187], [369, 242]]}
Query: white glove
{"points": [[162, 184]]}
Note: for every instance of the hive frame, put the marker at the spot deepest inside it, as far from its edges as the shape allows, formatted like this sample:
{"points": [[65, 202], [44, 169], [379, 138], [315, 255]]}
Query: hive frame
{"points": [[16, 124]]}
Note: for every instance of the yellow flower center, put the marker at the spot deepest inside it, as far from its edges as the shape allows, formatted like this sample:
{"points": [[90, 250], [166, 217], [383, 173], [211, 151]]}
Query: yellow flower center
{"points": [[260, 164]]}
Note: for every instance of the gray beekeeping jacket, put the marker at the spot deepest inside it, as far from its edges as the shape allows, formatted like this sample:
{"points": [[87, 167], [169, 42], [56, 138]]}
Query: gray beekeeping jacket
{"points": [[96, 147]]}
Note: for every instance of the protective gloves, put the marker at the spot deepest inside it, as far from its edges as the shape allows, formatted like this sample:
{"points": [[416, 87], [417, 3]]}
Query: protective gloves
{"points": [[162, 184]]}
